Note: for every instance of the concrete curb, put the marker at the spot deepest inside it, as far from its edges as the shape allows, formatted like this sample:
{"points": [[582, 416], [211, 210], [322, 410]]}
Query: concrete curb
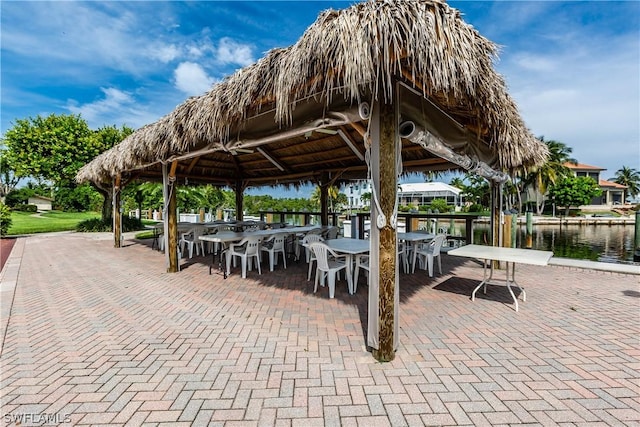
{"points": [[8, 281], [592, 265]]}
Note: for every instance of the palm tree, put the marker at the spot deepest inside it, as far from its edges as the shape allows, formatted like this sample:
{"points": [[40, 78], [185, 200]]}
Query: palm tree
{"points": [[457, 182], [631, 178], [332, 196], [551, 171]]}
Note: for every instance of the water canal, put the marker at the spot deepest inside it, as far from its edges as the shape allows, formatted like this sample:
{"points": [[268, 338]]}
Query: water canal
{"points": [[602, 243]]}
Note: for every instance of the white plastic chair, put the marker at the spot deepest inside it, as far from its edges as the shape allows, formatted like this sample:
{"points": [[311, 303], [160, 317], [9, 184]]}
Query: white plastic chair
{"points": [[403, 255], [247, 249], [192, 238], [273, 246], [430, 251], [330, 233], [362, 262], [310, 256], [326, 266]]}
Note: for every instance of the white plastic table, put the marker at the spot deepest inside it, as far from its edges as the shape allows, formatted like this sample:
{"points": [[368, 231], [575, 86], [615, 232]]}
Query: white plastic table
{"points": [[511, 256], [349, 248], [224, 237]]}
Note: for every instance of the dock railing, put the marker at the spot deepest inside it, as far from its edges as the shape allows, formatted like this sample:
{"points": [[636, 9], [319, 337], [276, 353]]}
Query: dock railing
{"points": [[421, 221], [296, 217]]}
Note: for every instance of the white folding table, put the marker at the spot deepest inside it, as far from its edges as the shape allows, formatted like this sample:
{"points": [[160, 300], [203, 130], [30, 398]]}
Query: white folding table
{"points": [[511, 256]]}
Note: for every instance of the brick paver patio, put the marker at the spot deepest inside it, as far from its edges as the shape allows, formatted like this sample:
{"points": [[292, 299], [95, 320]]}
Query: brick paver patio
{"points": [[103, 336]]}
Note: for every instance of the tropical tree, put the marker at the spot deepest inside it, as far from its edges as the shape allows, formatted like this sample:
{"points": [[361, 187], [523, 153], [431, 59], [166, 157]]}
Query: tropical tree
{"points": [[103, 139], [146, 195], [540, 178], [477, 190], [631, 178], [332, 197], [457, 182], [366, 198], [55, 147], [574, 191], [52, 148], [8, 179]]}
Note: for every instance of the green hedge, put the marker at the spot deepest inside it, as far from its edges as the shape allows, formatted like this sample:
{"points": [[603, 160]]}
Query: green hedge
{"points": [[5, 219], [25, 208], [96, 225]]}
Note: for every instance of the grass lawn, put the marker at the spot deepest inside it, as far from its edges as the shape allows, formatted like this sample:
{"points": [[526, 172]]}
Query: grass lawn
{"points": [[28, 223]]}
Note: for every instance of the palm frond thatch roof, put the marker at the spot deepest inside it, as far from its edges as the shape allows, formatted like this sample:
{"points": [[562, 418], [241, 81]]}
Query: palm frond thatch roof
{"points": [[344, 58]]}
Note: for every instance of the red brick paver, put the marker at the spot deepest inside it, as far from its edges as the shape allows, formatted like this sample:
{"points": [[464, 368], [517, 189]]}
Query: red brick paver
{"points": [[103, 336]]}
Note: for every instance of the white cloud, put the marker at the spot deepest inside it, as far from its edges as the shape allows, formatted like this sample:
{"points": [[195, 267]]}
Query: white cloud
{"points": [[585, 97], [195, 51], [164, 53], [116, 107], [77, 36], [113, 99], [534, 62], [192, 79], [232, 52]]}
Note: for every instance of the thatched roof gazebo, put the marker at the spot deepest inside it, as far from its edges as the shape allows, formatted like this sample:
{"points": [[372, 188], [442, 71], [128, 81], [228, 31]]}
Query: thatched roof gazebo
{"points": [[376, 90]]}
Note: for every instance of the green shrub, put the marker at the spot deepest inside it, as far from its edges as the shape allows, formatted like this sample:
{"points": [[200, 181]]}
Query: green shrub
{"points": [[18, 196], [5, 219], [440, 205], [25, 208], [96, 225], [475, 208], [78, 199], [131, 224]]}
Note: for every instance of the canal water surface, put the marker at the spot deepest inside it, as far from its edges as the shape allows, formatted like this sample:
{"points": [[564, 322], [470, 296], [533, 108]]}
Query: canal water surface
{"points": [[603, 243]]}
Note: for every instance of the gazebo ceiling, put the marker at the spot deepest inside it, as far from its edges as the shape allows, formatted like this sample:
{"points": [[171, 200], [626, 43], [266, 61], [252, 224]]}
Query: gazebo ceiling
{"points": [[299, 114]]}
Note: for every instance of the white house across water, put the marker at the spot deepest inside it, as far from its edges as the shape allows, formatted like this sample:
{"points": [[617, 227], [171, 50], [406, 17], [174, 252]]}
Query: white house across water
{"points": [[423, 193]]}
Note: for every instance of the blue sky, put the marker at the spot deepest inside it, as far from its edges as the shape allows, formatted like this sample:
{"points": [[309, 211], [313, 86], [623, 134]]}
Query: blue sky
{"points": [[573, 67]]}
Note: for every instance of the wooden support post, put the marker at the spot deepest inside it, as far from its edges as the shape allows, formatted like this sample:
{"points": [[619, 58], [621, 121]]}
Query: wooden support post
{"points": [[506, 232], [239, 200], [117, 215], [324, 201], [529, 243], [171, 245], [383, 289]]}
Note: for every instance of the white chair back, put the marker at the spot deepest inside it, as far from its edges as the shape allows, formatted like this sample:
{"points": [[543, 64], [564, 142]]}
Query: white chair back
{"points": [[253, 245], [278, 242], [307, 240], [310, 238], [321, 251], [436, 244]]}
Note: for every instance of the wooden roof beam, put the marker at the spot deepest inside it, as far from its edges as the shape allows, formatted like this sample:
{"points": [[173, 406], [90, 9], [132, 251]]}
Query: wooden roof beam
{"points": [[346, 137], [269, 156]]}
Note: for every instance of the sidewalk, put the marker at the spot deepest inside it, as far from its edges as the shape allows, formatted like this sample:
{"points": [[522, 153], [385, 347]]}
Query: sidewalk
{"points": [[103, 336]]}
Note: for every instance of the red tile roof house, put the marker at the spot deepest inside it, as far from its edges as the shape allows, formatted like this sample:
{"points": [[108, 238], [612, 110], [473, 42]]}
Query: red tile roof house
{"points": [[612, 192]]}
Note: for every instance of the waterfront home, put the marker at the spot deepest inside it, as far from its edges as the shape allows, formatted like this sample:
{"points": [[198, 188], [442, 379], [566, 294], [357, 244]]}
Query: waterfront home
{"points": [[612, 192]]}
